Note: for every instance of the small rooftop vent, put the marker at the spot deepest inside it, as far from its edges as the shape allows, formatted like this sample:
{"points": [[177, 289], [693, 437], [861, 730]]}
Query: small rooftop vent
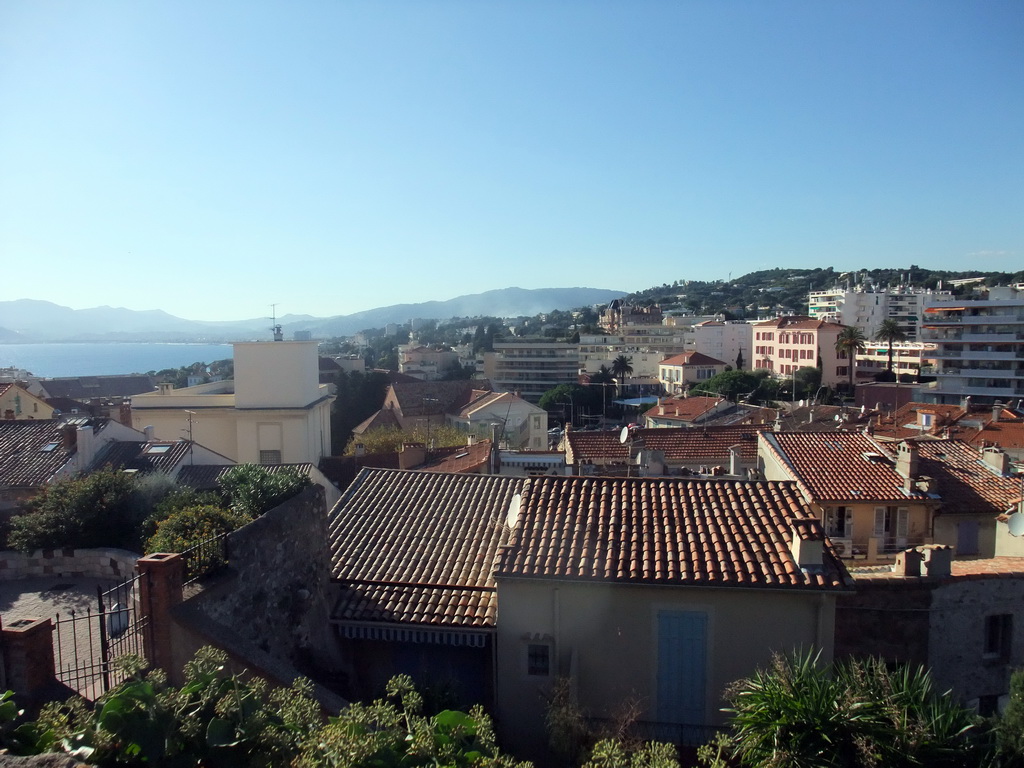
{"points": [[512, 516]]}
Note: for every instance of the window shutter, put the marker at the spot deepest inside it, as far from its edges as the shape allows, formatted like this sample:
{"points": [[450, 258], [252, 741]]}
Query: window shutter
{"points": [[879, 521], [902, 518]]}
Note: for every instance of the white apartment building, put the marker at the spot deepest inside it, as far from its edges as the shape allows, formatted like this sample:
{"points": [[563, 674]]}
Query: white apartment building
{"points": [[725, 340], [531, 368], [867, 308], [275, 411], [980, 349], [908, 357]]}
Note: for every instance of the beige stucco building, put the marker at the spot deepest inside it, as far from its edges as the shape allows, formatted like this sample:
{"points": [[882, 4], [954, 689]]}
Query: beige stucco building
{"points": [[274, 411], [17, 403]]}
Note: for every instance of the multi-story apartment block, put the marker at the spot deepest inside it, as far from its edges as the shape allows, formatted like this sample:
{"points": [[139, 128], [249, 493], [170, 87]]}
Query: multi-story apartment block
{"points": [[980, 349], [788, 343], [426, 363], [727, 340], [908, 357], [867, 308], [531, 368], [646, 346]]}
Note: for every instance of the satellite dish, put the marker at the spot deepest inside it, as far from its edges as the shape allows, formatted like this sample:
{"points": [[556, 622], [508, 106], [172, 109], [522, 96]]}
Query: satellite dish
{"points": [[624, 435], [1016, 524], [512, 516]]}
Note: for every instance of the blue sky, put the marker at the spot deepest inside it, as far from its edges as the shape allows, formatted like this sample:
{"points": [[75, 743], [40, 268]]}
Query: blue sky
{"points": [[210, 159]]}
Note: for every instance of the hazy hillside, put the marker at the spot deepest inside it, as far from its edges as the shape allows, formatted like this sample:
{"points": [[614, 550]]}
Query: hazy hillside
{"points": [[28, 320]]}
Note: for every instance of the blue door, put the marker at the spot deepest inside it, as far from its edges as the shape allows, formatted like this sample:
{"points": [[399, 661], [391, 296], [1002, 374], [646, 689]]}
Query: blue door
{"points": [[682, 662]]}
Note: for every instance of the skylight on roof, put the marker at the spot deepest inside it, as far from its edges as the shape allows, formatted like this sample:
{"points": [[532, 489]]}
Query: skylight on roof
{"points": [[157, 449], [49, 447]]}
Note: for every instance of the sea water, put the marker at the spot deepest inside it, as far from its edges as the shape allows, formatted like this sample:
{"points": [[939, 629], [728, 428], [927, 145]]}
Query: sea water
{"points": [[106, 359]]}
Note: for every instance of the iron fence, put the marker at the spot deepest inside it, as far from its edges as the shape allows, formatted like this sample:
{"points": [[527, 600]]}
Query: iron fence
{"points": [[205, 558], [85, 644]]}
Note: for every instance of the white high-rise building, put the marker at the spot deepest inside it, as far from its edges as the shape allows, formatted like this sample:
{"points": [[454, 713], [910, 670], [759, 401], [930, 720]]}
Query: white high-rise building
{"points": [[980, 349], [867, 308]]}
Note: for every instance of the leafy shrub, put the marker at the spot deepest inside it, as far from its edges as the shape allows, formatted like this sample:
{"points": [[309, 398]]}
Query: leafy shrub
{"points": [[98, 510], [252, 490], [192, 525]]}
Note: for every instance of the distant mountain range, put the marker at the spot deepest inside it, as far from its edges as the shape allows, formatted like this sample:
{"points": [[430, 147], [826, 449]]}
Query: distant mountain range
{"points": [[30, 320]]}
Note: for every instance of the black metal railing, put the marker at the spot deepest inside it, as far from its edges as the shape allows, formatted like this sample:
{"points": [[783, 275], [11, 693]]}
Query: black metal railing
{"points": [[85, 644], [205, 558]]}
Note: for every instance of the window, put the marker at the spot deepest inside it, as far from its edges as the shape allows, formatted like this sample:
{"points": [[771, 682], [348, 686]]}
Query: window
{"points": [[538, 659], [157, 449], [270, 457], [998, 629]]}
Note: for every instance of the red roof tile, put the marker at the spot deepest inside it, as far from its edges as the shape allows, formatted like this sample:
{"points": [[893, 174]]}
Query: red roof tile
{"points": [[692, 358], [852, 467], [684, 408], [663, 531], [679, 444]]}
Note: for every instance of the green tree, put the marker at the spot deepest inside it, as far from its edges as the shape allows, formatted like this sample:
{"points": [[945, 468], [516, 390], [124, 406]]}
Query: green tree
{"points": [[730, 384], [390, 439], [890, 332], [849, 342], [1009, 728], [189, 526], [359, 396], [807, 381], [622, 367], [101, 509], [252, 490]]}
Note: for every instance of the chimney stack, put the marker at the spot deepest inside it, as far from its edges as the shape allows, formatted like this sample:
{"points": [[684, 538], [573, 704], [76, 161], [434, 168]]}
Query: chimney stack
{"points": [[68, 436], [412, 455], [997, 410], [165, 387], [734, 460], [996, 459], [808, 542], [150, 432], [906, 460]]}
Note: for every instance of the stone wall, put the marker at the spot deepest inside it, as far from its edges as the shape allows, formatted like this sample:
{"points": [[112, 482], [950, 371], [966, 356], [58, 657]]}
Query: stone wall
{"points": [[116, 564], [957, 654], [886, 618], [274, 600]]}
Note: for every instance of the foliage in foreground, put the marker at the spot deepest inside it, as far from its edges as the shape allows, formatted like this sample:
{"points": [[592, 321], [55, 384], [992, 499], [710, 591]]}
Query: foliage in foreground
{"points": [[217, 718], [192, 525], [860, 713]]}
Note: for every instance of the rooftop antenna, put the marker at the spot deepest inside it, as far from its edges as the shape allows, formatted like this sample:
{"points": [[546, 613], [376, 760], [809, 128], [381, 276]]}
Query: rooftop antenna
{"points": [[276, 328], [191, 457]]}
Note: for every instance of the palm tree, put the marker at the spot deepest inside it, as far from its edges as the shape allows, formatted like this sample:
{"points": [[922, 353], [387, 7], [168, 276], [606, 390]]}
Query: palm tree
{"points": [[889, 331], [849, 342], [622, 366]]}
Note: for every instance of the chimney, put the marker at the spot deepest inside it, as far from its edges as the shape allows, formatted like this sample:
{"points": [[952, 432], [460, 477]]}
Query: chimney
{"points": [[938, 560], [996, 459], [470, 439], [496, 434], [735, 467], [997, 410], [808, 542], [906, 460], [908, 563], [68, 436], [165, 387], [86, 452], [360, 449], [125, 413], [150, 432], [412, 455]]}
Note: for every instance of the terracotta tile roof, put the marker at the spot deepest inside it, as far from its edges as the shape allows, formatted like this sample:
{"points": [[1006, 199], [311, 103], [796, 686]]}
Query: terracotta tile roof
{"points": [[985, 568], [663, 531], [679, 444], [432, 397], [965, 483], [420, 547], [952, 421], [847, 466], [463, 458], [31, 452], [1008, 435], [798, 322], [684, 408], [385, 418], [851, 467], [692, 358], [817, 418]]}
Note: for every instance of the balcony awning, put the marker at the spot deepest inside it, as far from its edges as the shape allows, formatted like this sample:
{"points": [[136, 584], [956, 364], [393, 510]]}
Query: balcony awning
{"points": [[944, 309]]}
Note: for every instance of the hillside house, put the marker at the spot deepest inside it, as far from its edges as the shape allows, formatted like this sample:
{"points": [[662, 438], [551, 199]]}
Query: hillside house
{"points": [[685, 411], [16, 402], [676, 373]]}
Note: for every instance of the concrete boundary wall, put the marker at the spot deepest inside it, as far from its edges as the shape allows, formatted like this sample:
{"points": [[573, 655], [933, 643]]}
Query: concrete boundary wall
{"points": [[66, 563]]}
